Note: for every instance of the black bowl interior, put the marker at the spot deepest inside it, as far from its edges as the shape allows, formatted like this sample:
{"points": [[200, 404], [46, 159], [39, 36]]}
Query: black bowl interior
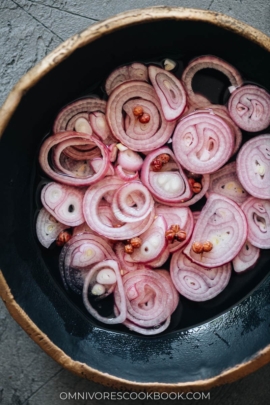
{"points": [[201, 335]]}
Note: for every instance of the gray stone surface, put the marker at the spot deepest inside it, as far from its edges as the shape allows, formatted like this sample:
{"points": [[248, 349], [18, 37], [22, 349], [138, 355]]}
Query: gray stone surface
{"points": [[29, 30]]}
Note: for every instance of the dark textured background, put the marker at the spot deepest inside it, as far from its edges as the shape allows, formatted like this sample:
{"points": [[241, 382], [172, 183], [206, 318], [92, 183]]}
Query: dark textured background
{"points": [[29, 30]]}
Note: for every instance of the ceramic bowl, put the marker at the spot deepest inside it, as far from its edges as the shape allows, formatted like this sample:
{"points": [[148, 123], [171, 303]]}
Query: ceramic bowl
{"points": [[214, 342]]}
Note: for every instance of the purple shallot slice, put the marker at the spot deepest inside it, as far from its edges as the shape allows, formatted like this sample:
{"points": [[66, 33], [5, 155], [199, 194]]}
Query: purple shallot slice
{"points": [[249, 107], [257, 213], [225, 182], [153, 243], [207, 62], [151, 299], [223, 225], [133, 132], [203, 142], [48, 228], [170, 92], [64, 203], [167, 183], [135, 71], [246, 258], [196, 282], [100, 279], [253, 166], [92, 212]]}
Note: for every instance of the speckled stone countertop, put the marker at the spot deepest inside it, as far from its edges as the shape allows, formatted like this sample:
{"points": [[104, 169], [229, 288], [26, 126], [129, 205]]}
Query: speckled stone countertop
{"points": [[29, 30]]}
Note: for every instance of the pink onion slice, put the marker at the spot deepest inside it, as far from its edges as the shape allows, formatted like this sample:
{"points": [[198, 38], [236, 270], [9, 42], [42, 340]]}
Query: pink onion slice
{"points": [[151, 298], [253, 166], [91, 204], [257, 212], [246, 258], [76, 153], [125, 266], [225, 182], [130, 132], [153, 243], [205, 179], [222, 223], [132, 202], [160, 259], [64, 203], [181, 216], [125, 174], [223, 112], [170, 92], [249, 107], [113, 266], [68, 175], [100, 126], [196, 282], [48, 228], [208, 62], [167, 186], [129, 160], [80, 109], [79, 255], [203, 142], [135, 71]]}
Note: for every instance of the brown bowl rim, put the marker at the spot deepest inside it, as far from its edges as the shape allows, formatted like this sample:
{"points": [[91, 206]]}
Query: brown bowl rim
{"points": [[62, 52]]}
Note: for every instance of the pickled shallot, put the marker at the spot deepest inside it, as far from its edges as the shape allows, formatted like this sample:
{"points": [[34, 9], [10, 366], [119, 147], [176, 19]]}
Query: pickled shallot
{"points": [[203, 142], [64, 203], [196, 282], [48, 228], [136, 135], [222, 223], [148, 181], [249, 107], [253, 166], [257, 212], [246, 258], [225, 182], [151, 299]]}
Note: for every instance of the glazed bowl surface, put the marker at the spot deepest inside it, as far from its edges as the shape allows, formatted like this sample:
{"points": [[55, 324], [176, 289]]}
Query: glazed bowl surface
{"points": [[208, 343]]}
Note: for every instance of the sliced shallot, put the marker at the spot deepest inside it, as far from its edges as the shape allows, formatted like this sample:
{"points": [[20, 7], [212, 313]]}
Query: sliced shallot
{"points": [[225, 182], [207, 62], [196, 282], [106, 266], [181, 216], [253, 166], [91, 208], [129, 160], [132, 202], [67, 171], [169, 184], [257, 212], [223, 224], [151, 299], [249, 107], [79, 255], [135, 71], [48, 228], [75, 116], [170, 92], [64, 203], [128, 128], [153, 243], [246, 258], [203, 142]]}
